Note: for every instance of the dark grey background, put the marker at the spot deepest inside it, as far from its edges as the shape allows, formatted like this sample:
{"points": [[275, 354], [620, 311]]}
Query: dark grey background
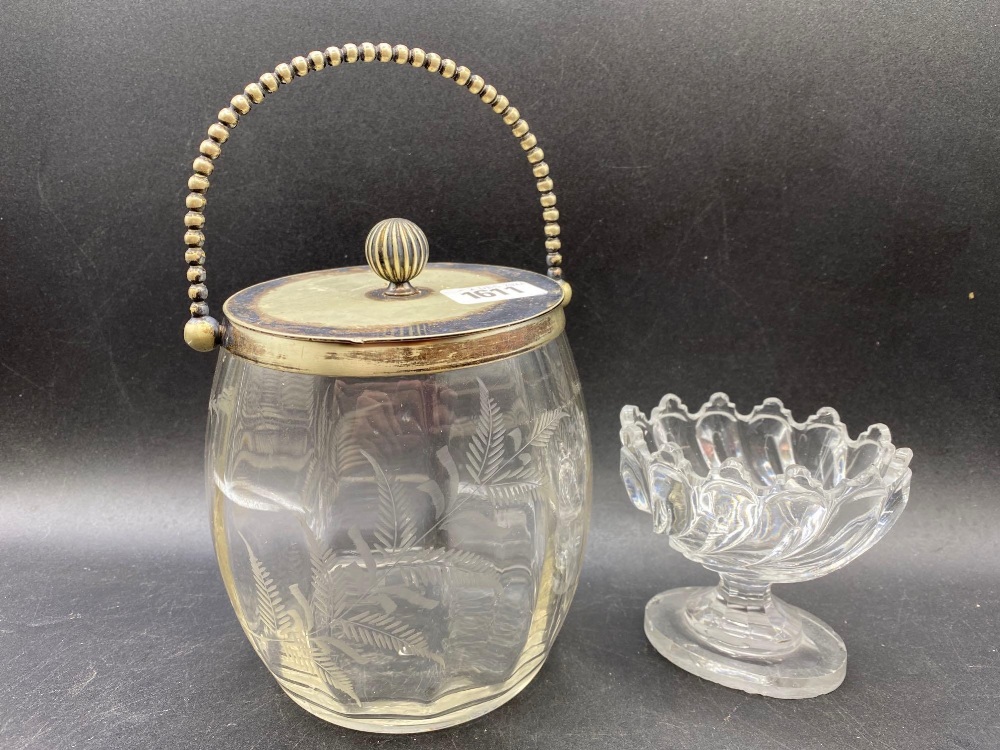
{"points": [[787, 198]]}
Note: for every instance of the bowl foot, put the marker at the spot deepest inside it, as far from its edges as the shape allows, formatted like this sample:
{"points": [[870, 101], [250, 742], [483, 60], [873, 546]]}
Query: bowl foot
{"points": [[815, 665]]}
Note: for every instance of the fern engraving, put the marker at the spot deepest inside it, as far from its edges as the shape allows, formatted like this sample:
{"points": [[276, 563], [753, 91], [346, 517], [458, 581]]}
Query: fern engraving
{"points": [[386, 633], [485, 452], [270, 609], [396, 528], [326, 664], [365, 603]]}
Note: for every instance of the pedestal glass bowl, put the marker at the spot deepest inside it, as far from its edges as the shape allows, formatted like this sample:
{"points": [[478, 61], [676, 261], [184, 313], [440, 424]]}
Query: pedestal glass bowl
{"points": [[759, 499]]}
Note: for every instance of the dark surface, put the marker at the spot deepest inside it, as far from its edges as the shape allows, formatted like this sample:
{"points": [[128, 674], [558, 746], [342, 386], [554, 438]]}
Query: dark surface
{"points": [[117, 633], [776, 198]]}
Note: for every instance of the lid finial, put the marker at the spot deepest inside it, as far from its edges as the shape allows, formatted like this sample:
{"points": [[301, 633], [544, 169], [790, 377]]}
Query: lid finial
{"points": [[397, 250]]}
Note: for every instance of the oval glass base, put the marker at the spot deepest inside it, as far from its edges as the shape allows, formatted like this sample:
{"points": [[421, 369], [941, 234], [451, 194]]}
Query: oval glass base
{"points": [[817, 665]]}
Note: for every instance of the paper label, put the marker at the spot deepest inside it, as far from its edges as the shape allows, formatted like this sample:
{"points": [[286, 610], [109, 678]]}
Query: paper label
{"points": [[478, 295]]}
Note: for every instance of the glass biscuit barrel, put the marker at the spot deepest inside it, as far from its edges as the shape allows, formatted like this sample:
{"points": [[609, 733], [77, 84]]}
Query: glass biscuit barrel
{"points": [[398, 459]]}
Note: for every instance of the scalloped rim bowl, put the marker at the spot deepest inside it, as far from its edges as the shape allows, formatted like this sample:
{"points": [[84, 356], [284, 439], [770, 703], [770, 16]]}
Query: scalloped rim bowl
{"points": [[633, 421], [716, 472]]}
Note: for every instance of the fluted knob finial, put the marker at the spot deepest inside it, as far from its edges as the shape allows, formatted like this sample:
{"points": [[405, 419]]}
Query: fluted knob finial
{"points": [[397, 250]]}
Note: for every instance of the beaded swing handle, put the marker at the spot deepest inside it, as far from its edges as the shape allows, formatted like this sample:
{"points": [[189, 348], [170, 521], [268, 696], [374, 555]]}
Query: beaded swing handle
{"points": [[203, 332]]}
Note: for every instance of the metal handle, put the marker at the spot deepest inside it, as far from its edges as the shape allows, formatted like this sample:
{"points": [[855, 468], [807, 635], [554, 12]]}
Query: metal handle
{"points": [[203, 332]]}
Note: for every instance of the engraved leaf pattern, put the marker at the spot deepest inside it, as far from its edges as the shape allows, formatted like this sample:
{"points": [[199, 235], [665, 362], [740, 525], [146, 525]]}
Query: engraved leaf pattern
{"points": [[270, 608], [308, 660], [357, 603], [514, 490], [326, 599], [387, 633], [427, 568], [326, 664], [340, 454], [544, 426], [485, 452], [396, 528]]}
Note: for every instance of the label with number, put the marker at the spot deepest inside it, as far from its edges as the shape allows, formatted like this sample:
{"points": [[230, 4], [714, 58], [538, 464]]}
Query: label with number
{"points": [[478, 295]]}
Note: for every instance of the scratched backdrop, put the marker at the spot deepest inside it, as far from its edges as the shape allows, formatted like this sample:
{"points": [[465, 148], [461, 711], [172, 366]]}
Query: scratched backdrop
{"points": [[789, 198]]}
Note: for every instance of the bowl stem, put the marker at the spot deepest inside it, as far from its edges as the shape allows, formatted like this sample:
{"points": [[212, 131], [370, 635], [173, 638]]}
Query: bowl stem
{"points": [[741, 618]]}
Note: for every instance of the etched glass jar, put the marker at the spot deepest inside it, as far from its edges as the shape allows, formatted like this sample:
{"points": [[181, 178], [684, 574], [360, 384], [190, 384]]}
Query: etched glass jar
{"points": [[401, 550], [398, 460]]}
